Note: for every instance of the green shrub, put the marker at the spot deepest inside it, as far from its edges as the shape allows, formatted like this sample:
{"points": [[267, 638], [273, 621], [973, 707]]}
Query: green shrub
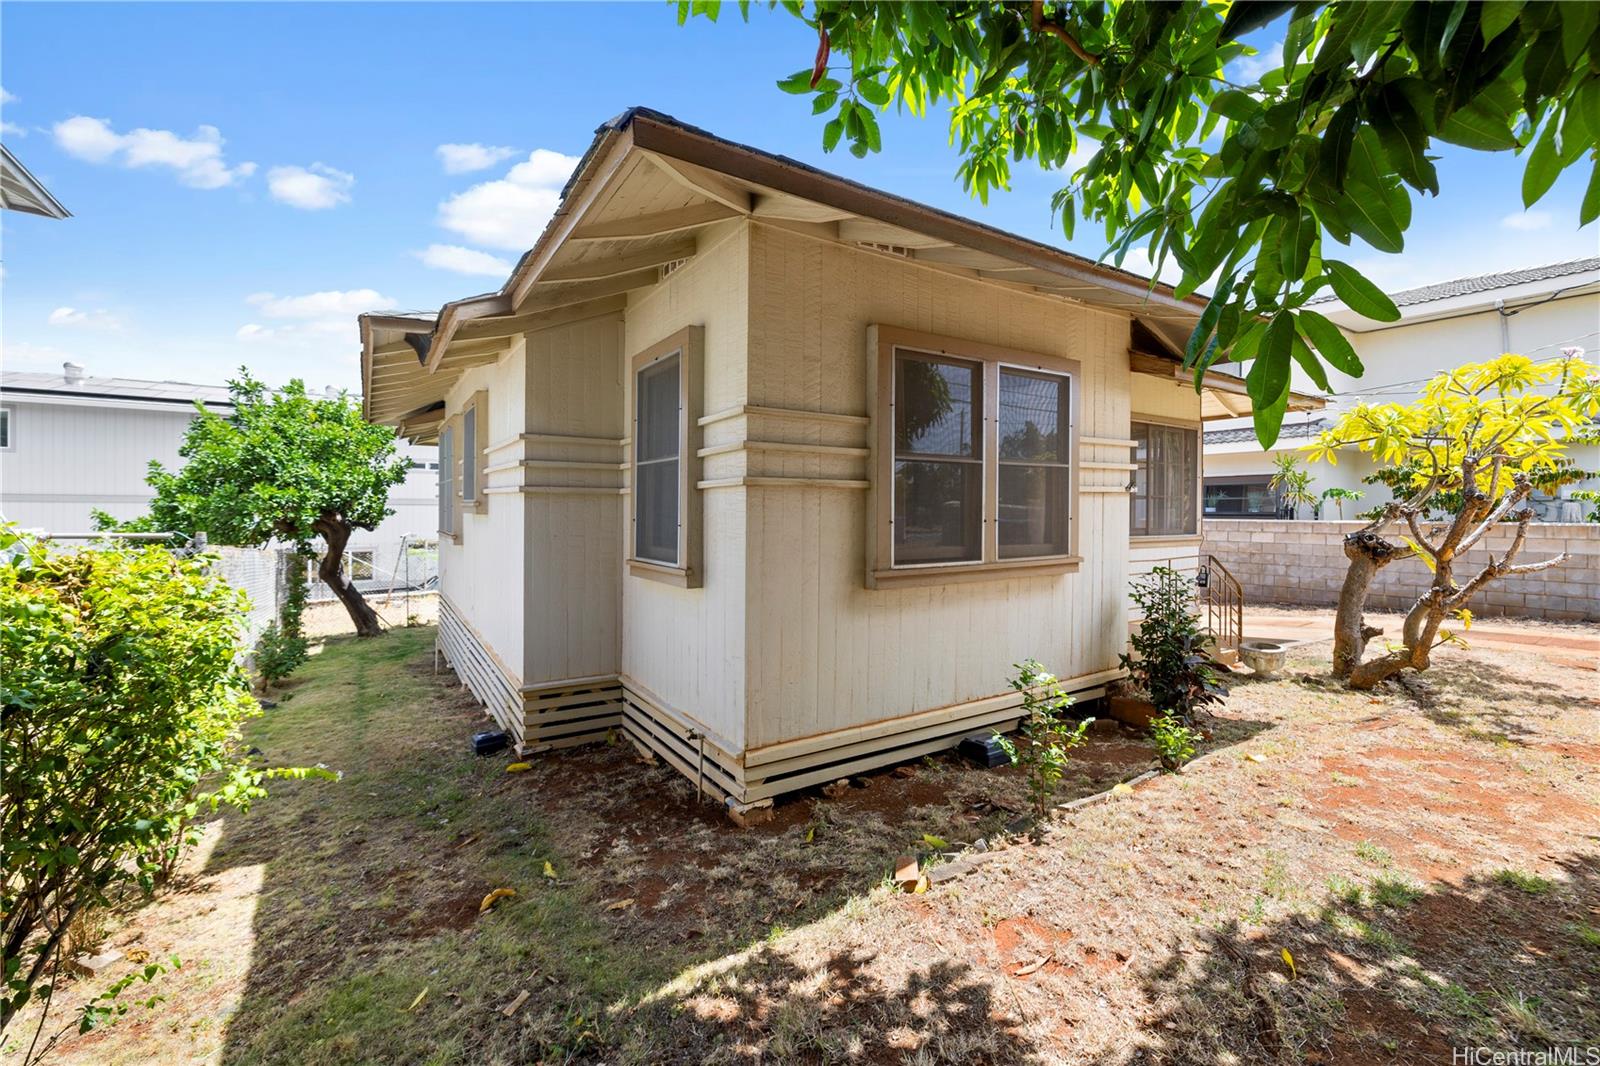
{"points": [[1047, 736], [123, 697], [1174, 741], [1169, 661], [278, 653]]}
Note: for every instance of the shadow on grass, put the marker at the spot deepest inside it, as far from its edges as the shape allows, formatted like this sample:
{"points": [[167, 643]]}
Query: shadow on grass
{"points": [[369, 945], [1389, 973]]}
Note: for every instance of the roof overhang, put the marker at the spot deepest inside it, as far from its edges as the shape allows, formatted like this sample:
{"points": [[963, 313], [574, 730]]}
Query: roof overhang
{"points": [[21, 191], [640, 202], [1221, 395]]}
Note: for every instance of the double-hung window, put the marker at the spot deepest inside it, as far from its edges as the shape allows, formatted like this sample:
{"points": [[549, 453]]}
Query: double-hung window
{"points": [[447, 478], [665, 540], [1166, 480], [974, 461], [474, 429]]}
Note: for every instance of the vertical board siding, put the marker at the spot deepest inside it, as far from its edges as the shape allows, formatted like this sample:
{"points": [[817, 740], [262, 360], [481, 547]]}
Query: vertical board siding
{"points": [[574, 542], [687, 645], [482, 572], [823, 651]]}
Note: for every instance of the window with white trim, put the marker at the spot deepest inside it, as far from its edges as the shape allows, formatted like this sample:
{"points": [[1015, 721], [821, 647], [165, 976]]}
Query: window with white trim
{"points": [[469, 449], [6, 415], [975, 451], [665, 539], [1166, 480]]}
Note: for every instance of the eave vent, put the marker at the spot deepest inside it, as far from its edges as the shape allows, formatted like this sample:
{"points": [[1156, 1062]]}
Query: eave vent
{"points": [[667, 269], [891, 249]]}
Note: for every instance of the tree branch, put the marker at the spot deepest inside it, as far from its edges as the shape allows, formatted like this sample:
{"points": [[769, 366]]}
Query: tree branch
{"points": [[1068, 39]]}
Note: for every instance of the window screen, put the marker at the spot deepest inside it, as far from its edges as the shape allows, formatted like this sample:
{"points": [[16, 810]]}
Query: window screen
{"points": [[469, 455], [5, 429], [1167, 468], [656, 463], [447, 488], [938, 459], [1034, 491]]}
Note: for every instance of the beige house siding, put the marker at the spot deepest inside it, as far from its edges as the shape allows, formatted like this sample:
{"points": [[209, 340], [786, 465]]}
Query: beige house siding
{"points": [[685, 646], [823, 651]]}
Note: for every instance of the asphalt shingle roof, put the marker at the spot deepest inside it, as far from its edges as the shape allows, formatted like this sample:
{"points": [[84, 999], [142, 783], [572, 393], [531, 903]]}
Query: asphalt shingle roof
{"points": [[173, 392], [1444, 290]]}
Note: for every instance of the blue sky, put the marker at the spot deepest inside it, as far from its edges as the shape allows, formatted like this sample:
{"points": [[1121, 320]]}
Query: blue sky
{"points": [[246, 177]]}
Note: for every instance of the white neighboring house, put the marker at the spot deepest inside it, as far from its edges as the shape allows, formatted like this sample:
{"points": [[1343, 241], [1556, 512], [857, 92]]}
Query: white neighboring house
{"points": [[70, 443], [1535, 312]]}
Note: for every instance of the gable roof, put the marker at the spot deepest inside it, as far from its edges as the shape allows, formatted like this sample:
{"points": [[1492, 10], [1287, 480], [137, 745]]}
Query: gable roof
{"points": [[1484, 284], [21, 191], [645, 186]]}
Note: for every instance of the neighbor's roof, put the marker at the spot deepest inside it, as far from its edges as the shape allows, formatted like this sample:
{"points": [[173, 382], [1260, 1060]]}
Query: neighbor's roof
{"points": [[53, 386], [1485, 283], [1290, 431], [21, 191], [645, 186]]}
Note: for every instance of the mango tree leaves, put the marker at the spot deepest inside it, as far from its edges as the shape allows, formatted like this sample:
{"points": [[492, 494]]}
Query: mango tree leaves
{"points": [[1178, 152]]}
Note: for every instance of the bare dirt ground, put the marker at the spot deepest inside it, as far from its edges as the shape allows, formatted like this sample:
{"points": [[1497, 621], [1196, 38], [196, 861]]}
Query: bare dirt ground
{"points": [[329, 618], [1340, 878]]}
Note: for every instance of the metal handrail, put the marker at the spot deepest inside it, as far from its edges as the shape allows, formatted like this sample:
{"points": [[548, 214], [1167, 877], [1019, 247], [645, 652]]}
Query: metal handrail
{"points": [[1224, 603]]}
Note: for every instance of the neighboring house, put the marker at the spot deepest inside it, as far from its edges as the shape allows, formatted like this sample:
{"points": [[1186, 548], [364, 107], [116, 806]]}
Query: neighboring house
{"points": [[70, 443], [21, 191], [1535, 312], [779, 475]]}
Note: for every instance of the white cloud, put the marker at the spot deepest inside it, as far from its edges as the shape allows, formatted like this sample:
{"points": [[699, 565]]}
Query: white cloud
{"points": [[333, 303], [79, 319], [1138, 261], [512, 211], [197, 160], [464, 260], [5, 97], [313, 188], [1248, 69], [465, 158], [11, 129], [1527, 220]]}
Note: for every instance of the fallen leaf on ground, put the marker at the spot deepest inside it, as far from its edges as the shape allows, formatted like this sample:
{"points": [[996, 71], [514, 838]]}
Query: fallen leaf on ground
{"points": [[418, 1001], [1121, 788], [518, 767], [1289, 959], [937, 843], [1032, 967], [621, 904], [1256, 757], [515, 1005], [549, 871], [494, 897], [811, 833]]}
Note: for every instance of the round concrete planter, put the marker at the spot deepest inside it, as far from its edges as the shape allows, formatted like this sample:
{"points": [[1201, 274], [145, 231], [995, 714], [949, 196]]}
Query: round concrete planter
{"points": [[1265, 657]]}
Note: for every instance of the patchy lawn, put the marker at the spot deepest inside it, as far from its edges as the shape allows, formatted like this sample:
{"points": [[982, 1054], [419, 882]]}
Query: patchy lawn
{"points": [[1428, 857]]}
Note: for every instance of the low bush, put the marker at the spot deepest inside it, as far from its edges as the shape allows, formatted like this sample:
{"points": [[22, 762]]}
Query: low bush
{"points": [[1174, 741], [278, 653], [1169, 661], [1047, 735], [123, 698]]}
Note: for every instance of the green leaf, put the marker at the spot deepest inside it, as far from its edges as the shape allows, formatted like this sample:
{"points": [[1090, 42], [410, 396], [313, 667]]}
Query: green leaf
{"points": [[1308, 362], [1544, 167], [1337, 141], [1236, 105], [1294, 250], [1268, 380], [1359, 294], [1496, 16], [1590, 208], [1329, 341], [797, 83], [1478, 125], [873, 92], [831, 133]]}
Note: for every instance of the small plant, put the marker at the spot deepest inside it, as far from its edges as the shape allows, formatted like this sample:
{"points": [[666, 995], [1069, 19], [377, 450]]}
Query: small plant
{"points": [[1168, 659], [1047, 736], [1340, 497], [1174, 742], [1392, 892], [1292, 484], [1376, 854], [1532, 884], [278, 653]]}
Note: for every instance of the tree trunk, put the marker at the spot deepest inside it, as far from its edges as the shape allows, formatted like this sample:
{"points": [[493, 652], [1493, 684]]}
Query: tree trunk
{"points": [[336, 533], [1368, 553]]}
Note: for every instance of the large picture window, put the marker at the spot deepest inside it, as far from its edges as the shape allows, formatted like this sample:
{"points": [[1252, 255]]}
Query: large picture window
{"points": [[665, 540], [1166, 480], [974, 468]]}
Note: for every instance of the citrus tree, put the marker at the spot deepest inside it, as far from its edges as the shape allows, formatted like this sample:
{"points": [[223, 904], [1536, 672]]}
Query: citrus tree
{"points": [[1249, 183], [284, 466], [1481, 435]]}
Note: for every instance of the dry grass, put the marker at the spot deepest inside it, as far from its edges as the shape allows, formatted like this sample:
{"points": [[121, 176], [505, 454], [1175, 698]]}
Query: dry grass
{"points": [[1428, 857]]}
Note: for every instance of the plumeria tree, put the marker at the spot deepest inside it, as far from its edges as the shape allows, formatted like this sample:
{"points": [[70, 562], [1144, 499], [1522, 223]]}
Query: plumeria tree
{"points": [[1483, 435], [284, 466]]}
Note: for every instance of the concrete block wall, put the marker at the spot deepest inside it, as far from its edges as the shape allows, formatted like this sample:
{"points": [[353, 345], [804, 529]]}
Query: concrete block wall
{"points": [[1304, 563]]}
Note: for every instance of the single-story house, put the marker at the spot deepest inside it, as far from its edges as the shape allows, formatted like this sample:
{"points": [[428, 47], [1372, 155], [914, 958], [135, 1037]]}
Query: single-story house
{"points": [[778, 475]]}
